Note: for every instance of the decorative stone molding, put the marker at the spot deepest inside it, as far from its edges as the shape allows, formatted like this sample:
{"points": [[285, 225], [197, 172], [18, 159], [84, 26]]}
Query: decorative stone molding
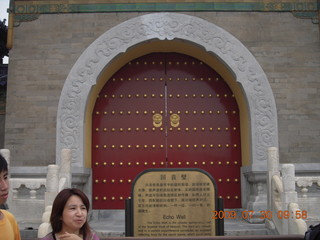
{"points": [[167, 26]]}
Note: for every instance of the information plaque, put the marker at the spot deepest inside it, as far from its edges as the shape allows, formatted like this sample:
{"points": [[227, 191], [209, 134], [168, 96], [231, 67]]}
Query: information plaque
{"points": [[173, 203]]}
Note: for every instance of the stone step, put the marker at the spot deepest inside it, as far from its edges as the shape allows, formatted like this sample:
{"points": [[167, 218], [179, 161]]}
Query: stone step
{"points": [[241, 227], [111, 224], [236, 228]]}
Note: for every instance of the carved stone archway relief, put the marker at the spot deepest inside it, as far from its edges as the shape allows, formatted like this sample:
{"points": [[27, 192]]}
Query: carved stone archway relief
{"points": [[167, 26]]}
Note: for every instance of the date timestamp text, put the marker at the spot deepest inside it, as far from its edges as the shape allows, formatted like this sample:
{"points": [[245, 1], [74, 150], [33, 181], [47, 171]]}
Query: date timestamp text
{"points": [[262, 214]]}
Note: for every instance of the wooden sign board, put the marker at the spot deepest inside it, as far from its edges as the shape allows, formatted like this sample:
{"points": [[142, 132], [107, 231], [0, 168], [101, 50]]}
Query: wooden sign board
{"points": [[173, 203]]}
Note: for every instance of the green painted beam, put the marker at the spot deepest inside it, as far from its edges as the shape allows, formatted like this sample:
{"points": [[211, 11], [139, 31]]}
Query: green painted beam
{"points": [[270, 6]]}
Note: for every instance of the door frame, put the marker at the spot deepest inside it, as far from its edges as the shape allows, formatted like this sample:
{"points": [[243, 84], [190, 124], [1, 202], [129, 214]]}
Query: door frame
{"points": [[168, 32]]}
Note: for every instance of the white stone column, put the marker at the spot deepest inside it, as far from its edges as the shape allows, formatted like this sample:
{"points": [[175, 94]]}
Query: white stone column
{"points": [[65, 169], [288, 178], [52, 188], [273, 169], [52, 184], [289, 194]]}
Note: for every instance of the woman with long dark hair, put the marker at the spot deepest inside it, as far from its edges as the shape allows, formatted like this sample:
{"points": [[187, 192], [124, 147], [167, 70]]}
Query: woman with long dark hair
{"points": [[69, 217]]}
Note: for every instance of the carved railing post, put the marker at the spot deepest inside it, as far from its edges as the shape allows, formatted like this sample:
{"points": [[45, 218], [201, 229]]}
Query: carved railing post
{"points": [[289, 194], [273, 169], [52, 183], [50, 194], [58, 178], [65, 169]]}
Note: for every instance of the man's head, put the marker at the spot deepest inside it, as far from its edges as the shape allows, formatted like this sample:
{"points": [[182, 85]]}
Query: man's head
{"points": [[4, 180]]}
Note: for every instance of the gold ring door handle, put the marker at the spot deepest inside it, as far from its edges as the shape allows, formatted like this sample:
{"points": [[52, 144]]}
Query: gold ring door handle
{"points": [[157, 119], [174, 120]]}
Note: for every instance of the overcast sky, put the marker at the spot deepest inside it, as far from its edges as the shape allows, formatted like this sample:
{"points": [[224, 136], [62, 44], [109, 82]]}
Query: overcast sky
{"points": [[4, 5]]}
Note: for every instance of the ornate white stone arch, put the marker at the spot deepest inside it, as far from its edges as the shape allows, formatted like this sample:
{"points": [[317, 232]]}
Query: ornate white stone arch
{"points": [[167, 26]]}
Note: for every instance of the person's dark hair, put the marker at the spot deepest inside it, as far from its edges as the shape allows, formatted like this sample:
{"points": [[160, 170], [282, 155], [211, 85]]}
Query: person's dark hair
{"points": [[3, 164], [58, 206]]}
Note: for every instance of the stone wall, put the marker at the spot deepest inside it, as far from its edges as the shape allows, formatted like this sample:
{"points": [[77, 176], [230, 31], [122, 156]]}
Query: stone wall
{"points": [[44, 51]]}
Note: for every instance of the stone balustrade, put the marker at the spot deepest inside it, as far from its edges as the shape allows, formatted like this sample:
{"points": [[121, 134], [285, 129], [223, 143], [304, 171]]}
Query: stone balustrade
{"points": [[283, 197], [24, 188], [31, 195], [305, 183], [26, 200], [309, 197]]}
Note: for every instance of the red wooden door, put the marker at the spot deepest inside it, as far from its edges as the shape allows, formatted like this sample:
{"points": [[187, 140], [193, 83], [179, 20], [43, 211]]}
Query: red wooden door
{"points": [[207, 135], [164, 110]]}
